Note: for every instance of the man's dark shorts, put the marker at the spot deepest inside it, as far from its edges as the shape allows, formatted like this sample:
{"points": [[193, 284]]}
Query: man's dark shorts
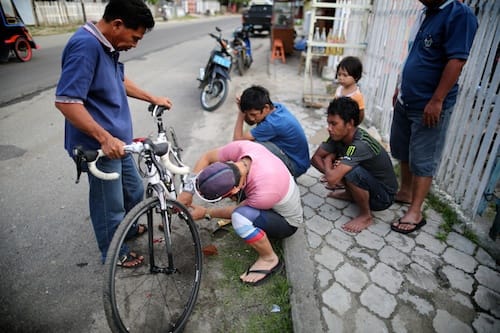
{"points": [[380, 198], [415, 143]]}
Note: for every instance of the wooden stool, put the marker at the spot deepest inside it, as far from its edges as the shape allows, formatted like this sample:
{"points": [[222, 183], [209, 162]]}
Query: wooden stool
{"points": [[278, 51]]}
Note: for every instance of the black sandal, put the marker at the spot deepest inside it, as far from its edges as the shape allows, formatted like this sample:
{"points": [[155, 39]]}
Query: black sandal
{"points": [[139, 233]]}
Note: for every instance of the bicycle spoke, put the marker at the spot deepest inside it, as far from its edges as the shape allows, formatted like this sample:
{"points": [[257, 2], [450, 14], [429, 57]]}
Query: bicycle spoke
{"points": [[143, 301]]}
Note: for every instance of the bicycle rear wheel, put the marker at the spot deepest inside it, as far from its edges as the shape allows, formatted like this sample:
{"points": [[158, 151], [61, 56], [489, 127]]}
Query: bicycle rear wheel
{"points": [[159, 295]]}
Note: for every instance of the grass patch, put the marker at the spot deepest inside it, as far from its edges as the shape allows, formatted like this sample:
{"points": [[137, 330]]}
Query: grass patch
{"points": [[53, 30], [450, 218], [253, 307]]}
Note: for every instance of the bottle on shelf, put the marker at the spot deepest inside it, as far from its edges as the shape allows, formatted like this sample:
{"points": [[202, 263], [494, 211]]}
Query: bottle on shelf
{"points": [[316, 38], [341, 40], [329, 39], [323, 39]]}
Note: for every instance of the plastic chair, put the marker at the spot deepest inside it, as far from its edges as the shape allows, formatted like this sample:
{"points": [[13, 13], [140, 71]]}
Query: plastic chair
{"points": [[278, 51]]}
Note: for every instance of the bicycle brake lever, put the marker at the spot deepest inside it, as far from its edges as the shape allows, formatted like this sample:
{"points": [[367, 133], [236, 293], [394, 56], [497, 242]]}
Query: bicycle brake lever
{"points": [[77, 156]]}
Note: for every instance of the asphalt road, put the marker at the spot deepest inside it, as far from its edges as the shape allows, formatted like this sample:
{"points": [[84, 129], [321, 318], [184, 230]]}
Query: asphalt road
{"points": [[49, 267], [20, 80]]}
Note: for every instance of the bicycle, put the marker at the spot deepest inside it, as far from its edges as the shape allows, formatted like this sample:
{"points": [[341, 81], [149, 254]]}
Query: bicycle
{"points": [[160, 294]]}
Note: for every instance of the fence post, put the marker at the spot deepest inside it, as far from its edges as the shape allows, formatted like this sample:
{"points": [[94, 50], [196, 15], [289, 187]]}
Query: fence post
{"points": [[83, 11]]}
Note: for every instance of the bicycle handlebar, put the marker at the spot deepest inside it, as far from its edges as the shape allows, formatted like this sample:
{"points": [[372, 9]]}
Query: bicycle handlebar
{"points": [[98, 173], [163, 150]]}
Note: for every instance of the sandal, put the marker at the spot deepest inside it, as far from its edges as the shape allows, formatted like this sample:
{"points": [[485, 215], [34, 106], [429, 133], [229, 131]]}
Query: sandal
{"points": [[141, 230], [416, 226], [130, 260], [336, 187]]}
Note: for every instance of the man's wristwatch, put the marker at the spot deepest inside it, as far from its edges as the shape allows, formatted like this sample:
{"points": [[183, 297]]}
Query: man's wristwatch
{"points": [[188, 187], [189, 184], [207, 216]]}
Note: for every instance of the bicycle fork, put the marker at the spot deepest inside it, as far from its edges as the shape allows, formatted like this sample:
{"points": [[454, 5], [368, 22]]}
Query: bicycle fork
{"points": [[158, 188]]}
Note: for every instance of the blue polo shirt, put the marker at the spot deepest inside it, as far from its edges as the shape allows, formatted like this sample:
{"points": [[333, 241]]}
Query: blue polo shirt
{"points": [[284, 130], [93, 76], [445, 33]]}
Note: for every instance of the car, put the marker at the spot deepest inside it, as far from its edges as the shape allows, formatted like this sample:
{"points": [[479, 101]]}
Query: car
{"points": [[257, 18]]}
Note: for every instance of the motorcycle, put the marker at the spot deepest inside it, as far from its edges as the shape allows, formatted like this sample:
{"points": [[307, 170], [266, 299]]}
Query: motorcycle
{"points": [[242, 49], [15, 38], [213, 78], [164, 11]]}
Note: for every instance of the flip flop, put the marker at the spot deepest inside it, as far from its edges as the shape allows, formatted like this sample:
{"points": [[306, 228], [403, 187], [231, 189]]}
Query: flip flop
{"points": [[335, 187], [266, 272], [139, 233], [402, 202], [404, 231]]}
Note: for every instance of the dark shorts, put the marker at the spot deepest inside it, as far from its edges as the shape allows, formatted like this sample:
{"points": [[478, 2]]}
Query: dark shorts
{"points": [[380, 198], [419, 145]]}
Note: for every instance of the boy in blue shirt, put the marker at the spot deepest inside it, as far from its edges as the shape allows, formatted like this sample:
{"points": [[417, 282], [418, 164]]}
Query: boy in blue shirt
{"points": [[277, 129]]}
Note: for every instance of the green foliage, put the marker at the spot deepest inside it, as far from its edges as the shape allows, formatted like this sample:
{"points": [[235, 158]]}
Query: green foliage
{"points": [[255, 303], [450, 219]]}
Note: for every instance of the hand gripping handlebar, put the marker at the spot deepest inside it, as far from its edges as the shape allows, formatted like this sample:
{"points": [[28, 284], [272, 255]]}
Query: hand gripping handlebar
{"points": [[163, 150]]}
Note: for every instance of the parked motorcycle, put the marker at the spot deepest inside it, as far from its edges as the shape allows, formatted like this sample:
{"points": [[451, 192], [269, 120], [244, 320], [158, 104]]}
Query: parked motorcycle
{"points": [[213, 78], [242, 49]]}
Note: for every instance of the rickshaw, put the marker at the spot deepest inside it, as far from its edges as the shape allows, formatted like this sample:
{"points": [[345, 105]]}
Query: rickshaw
{"points": [[14, 37]]}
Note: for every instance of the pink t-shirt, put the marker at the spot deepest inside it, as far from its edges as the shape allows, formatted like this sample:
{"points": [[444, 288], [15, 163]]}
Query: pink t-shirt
{"points": [[268, 180]]}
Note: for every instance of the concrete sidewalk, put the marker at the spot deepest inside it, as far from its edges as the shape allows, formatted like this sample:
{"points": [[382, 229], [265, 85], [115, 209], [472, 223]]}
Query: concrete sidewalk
{"points": [[377, 280]]}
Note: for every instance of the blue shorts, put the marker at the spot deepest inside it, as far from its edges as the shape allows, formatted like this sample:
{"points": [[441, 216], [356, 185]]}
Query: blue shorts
{"points": [[415, 143], [380, 197]]}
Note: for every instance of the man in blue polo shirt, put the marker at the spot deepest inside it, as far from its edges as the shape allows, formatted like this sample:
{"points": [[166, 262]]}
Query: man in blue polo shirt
{"points": [[277, 129], [439, 45], [92, 95]]}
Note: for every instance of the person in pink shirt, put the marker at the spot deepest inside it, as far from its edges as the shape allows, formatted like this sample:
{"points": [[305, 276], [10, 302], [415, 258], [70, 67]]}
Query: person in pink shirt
{"points": [[266, 199]]}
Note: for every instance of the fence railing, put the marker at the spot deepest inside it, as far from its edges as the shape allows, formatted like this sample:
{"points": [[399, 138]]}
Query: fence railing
{"points": [[472, 144], [64, 12]]}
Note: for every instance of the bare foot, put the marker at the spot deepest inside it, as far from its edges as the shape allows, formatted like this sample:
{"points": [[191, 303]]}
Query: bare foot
{"points": [[340, 195], [358, 224], [260, 264]]}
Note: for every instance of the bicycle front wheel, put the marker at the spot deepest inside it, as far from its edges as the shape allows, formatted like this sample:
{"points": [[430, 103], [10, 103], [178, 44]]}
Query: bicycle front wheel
{"points": [[159, 295]]}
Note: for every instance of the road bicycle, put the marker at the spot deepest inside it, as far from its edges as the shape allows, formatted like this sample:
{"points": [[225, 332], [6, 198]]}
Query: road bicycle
{"points": [[159, 295]]}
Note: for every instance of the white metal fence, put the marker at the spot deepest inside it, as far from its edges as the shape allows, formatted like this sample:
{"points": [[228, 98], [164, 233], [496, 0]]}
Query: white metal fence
{"points": [[64, 12], [473, 142]]}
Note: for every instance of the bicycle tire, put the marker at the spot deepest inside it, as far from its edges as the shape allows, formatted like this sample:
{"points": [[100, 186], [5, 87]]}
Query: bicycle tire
{"points": [[140, 299]]}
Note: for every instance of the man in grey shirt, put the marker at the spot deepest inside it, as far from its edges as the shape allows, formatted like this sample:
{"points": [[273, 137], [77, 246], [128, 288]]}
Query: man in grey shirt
{"points": [[353, 158]]}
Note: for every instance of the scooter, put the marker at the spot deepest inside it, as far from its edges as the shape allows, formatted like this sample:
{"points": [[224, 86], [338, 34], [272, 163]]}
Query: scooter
{"points": [[242, 49], [14, 37], [213, 78]]}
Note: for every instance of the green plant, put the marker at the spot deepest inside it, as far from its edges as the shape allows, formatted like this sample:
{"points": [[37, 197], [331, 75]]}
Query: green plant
{"points": [[254, 303], [450, 218]]}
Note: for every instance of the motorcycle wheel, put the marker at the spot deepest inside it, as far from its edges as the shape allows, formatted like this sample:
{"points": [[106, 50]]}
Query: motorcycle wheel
{"points": [[22, 49], [240, 64], [213, 93], [248, 61]]}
